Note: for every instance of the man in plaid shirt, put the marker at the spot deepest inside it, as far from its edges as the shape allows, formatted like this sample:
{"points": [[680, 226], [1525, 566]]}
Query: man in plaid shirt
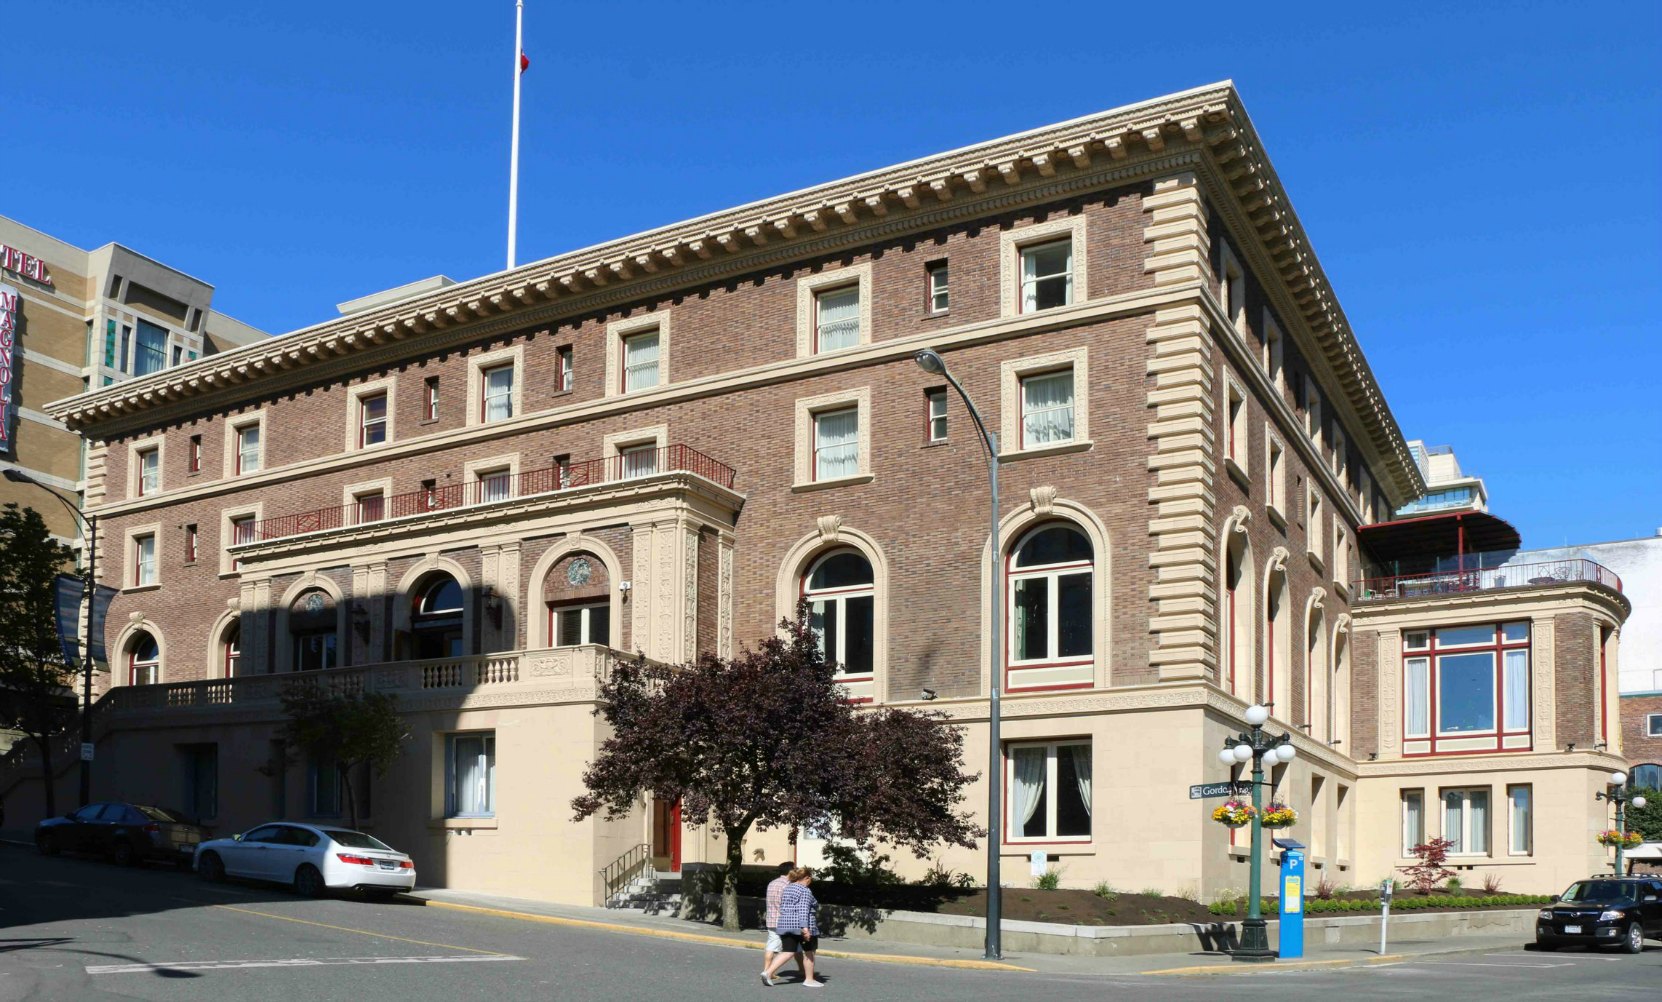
{"points": [[775, 889]]}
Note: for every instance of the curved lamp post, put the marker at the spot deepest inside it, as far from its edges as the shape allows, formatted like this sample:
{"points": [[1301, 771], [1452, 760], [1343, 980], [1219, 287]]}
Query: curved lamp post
{"points": [[89, 582], [1621, 796], [1256, 747], [930, 361]]}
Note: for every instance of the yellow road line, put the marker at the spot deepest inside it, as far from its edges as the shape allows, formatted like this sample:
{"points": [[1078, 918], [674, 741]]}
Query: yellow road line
{"points": [[693, 937], [1293, 965], [360, 932]]}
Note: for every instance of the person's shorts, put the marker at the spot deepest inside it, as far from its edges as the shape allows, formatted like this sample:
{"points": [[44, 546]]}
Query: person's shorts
{"points": [[773, 941], [790, 942]]}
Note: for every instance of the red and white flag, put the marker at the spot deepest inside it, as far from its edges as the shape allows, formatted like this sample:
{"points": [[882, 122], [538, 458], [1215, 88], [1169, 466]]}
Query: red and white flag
{"points": [[524, 61]]}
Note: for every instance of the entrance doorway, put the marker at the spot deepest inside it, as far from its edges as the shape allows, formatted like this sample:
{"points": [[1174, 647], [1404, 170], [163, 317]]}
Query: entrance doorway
{"points": [[666, 835]]}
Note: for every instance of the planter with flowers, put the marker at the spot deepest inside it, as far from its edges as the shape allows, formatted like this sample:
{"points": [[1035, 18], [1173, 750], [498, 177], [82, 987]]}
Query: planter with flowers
{"points": [[1277, 816], [1624, 840], [1234, 814]]}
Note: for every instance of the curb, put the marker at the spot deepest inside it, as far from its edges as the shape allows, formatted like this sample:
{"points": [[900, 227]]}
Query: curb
{"points": [[1296, 965], [693, 937]]}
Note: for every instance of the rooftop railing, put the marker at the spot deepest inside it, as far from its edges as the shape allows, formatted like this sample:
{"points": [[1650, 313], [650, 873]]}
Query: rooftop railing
{"points": [[490, 488], [1457, 581]]}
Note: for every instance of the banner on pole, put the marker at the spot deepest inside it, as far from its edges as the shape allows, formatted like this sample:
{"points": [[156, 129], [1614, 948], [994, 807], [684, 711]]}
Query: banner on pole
{"points": [[102, 596], [67, 594]]}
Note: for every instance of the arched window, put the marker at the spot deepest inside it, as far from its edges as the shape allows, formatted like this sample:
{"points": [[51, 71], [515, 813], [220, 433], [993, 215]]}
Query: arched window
{"points": [[1049, 596], [312, 631], [436, 618], [1645, 777], [230, 649], [842, 598], [144, 660]]}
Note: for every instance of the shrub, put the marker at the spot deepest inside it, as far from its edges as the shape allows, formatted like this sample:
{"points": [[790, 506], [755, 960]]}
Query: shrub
{"points": [[1425, 875], [1491, 882], [845, 866], [943, 876], [1104, 890], [1151, 892], [1049, 880], [1452, 886], [1324, 888]]}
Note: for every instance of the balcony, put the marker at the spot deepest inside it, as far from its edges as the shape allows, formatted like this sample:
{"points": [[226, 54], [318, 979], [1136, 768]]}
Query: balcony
{"points": [[1477, 578], [490, 489]]}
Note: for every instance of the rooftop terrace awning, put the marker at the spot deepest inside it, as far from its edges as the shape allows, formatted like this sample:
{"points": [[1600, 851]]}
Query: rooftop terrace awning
{"points": [[1411, 540]]}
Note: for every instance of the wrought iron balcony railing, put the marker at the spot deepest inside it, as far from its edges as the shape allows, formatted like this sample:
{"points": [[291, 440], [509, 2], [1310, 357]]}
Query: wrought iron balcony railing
{"points": [[1471, 579]]}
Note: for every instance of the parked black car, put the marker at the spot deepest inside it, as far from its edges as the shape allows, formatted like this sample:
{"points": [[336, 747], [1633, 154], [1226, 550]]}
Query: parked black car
{"points": [[1603, 911], [127, 833]]}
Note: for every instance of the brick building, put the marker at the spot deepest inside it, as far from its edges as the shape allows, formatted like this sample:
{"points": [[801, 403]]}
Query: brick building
{"points": [[473, 496]]}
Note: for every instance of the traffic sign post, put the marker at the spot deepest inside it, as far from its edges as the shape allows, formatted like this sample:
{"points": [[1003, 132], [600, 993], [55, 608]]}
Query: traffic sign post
{"points": [[1292, 901]]}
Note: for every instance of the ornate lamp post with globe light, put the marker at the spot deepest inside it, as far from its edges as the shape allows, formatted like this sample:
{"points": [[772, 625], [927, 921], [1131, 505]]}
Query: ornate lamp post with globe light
{"points": [[1256, 747], [1621, 796]]}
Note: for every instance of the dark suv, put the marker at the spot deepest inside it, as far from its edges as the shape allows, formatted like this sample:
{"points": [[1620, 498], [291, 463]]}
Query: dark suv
{"points": [[127, 833], [1603, 911]]}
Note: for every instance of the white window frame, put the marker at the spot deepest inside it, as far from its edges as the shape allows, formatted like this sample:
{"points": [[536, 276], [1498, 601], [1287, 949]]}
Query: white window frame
{"points": [[228, 565], [836, 648], [480, 364], [1237, 445], [478, 471], [935, 411], [938, 287], [618, 334], [820, 447], [354, 496], [1011, 244], [1409, 839], [806, 424], [586, 620], [1416, 674], [617, 447], [1653, 725], [234, 466], [565, 368], [430, 398], [1465, 834], [1052, 752], [808, 288], [355, 427], [144, 547], [1051, 574], [1012, 438], [1315, 526], [1341, 556], [488, 750], [1516, 846], [1313, 411], [149, 481], [1275, 363]]}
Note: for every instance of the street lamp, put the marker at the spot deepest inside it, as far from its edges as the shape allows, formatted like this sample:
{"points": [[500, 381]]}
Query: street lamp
{"points": [[1621, 797], [88, 586], [930, 361], [1257, 747]]}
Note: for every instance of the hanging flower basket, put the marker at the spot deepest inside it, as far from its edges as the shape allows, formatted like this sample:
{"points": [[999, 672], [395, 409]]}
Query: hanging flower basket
{"points": [[1278, 816], [1617, 837], [1234, 814]]}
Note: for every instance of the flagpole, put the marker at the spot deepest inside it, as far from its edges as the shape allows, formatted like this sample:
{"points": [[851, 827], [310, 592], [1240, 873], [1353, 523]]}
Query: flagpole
{"points": [[513, 156]]}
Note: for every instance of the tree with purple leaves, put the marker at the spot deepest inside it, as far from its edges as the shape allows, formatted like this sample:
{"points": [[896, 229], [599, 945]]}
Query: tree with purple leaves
{"points": [[769, 740]]}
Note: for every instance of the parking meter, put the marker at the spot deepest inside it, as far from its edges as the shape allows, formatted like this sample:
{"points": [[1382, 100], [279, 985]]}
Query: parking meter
{"points": [[1292, 903]]}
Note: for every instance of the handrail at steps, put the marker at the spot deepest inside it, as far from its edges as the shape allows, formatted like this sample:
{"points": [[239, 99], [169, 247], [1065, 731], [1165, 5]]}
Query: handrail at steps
{"points": [[616, 874]]}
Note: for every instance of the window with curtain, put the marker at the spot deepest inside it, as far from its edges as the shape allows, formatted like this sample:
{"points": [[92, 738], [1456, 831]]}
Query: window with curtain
{"points": [[837, 444], [1047, 409], [494, 485], [837, 319], [640, 361], [151, 353], [470, 780], [498, 394], [1050, 791], [372, 419], [1046, 275], [639, 460], [1413, 820], [571, 625], [1466, 821], [1050, 596], [1520, 819], [841, 596], [1467, 682]]}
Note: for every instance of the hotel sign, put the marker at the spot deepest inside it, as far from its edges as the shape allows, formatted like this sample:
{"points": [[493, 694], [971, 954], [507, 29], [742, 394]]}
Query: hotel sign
{"points": [[27, 265], [8, 363]]}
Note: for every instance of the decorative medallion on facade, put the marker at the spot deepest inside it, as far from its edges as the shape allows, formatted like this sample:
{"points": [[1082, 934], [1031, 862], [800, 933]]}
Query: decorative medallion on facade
{"points": [[579, 571]]}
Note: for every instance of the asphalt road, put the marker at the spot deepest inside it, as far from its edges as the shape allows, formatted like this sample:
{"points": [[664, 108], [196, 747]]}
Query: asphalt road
{"points": [[73, 929]]}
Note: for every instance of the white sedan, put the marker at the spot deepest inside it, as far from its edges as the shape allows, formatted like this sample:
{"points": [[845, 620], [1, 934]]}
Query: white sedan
{"points": [[309, 858]]}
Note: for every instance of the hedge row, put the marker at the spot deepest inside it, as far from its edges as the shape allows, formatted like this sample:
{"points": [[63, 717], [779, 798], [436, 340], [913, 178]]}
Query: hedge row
{"points": [[1403, 904]]}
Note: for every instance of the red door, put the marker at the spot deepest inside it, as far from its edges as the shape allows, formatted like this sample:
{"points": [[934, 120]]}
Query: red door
{"points": [[666, 832]]}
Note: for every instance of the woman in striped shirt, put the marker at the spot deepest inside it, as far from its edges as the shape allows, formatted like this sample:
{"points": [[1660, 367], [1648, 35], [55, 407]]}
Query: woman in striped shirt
{"points": [[798, 927]]}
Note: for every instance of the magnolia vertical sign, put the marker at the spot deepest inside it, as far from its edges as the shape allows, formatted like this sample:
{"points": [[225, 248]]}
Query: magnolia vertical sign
{"points": [[8, 363]]}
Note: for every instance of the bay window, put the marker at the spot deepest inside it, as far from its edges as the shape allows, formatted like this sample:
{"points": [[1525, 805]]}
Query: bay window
{"points": [[1050, 792]]}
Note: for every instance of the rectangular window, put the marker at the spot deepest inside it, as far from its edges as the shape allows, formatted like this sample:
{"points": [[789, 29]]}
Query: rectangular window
{"points": [[1050, 792], [1520, 812], [935, 400], [1653, 725], [144, 560], [639, 461], [1313, 412], [1276, 464], [498, 393], [939, 296], [1314, 530], [242, 531], [837, 444], [1413, 820], [1235, 427], [190, 543], [562, 471], [1466, 821], [1047, 409], [430, 495], [1234, 291], [109, 344], [1046, 275], [194, 460], [1515, 690], [494, 485], [178, 354], [1339, 452], [1341, 565], [126, 347], [151, 355], [369, 507], [564, 379], [372, 419], [1417, 698], [470, 775], [836, 319], [640, 361], [248, 449], [571, 625], [431, 390], [150, 472], [1272, 352]]}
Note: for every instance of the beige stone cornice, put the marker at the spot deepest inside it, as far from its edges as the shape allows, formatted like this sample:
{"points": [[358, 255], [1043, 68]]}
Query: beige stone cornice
{"points": [[1139, 140]]}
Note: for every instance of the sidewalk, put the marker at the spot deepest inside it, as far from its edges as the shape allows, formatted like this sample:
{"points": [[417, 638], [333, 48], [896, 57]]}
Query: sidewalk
{"points": [[628, 922]]}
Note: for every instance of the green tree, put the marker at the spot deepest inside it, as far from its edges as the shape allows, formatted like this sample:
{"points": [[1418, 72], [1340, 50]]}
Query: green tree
{"points": [[769, 740], [36, 694], [1647, 820], [348, 728]]}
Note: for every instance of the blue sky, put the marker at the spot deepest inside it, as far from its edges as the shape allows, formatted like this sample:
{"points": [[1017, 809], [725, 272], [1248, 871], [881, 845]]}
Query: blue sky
{"points": [[1483, 186]]}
